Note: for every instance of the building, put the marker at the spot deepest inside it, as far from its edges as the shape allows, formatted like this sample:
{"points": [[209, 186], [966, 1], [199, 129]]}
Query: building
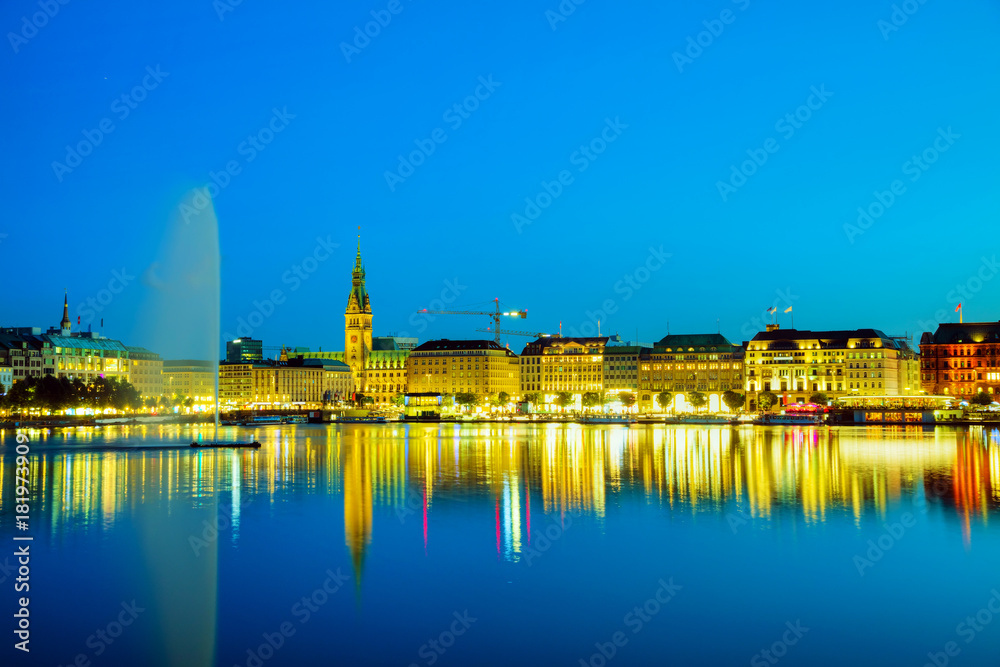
{"points": [[796, 363], [378, 364], [479, 367], [244, 349], [145, 371], [552, 365], [961, 359], [621, 369], [85, 355], [297, 383], [6, 379], [190, 378], [23, 354], [685, 363]]}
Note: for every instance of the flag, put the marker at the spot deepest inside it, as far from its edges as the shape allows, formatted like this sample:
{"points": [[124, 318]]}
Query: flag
{"points": [[77, 320], [772, 310], [787, 310], [102, 319], [958, 308]]}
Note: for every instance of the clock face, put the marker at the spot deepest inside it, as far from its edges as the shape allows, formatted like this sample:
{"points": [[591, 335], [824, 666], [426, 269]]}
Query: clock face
{"points": [[354, 339]]}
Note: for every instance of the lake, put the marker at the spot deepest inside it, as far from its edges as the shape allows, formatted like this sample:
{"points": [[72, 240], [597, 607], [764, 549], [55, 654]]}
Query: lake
{"points": [[506, 544]]}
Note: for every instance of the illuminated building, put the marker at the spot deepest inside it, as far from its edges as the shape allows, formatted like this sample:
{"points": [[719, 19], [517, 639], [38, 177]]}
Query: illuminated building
{"points": [[793, 364], [23, 354], [145, 371], [621, 369], [190, 379], [961, 359], [6, 378], [682, 363], [478, 367], [244, 349], [307, 384], [556, 364], [378, 364]]}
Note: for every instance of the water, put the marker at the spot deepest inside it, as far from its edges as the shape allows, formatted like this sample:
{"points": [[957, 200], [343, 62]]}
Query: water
{"points": [[510, 545]]}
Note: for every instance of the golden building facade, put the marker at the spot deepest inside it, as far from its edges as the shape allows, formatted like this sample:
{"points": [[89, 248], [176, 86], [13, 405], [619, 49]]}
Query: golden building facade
{"points": [[557, 364], [795, 364], [478, 367], [685, 363], [145, 372]]}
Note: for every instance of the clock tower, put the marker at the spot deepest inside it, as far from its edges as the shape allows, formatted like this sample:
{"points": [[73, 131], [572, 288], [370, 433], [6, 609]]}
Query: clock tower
{"points": [[358, 324]]}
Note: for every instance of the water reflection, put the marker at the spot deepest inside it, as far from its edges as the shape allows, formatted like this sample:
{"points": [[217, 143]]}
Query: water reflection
{"points": [[86, 480]]}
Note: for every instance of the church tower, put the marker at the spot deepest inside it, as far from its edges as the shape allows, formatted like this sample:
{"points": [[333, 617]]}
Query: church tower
{"points": [[358, 324], [65, 325]]}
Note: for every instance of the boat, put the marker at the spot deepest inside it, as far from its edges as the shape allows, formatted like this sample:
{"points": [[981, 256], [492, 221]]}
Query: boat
{"points": [[608, 419], [268, 420], [789, 420], [707, 419], [226, 445], [296, 419]]}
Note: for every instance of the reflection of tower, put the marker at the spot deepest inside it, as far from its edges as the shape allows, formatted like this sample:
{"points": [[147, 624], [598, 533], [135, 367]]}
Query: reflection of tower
{"points": [[357, 504], [358, 324]]}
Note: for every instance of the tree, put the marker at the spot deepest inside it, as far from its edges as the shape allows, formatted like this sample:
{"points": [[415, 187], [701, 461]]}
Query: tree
{"points": [[503, 398], [766, 400], [627, 399], [697, 400], [564, 399], [591, 399], [466, 400], [733, 400], [664, 399], [397, 399], [151, 402], [982, 398], [533, 398], [819, 398]]}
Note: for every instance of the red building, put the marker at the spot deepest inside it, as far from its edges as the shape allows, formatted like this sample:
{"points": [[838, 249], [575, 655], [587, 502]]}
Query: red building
{"points": [[961, 359]]}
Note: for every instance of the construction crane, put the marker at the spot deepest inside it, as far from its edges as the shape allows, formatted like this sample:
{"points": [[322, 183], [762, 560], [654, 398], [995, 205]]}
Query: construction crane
{"points": [[529, 334], [494, 315]]}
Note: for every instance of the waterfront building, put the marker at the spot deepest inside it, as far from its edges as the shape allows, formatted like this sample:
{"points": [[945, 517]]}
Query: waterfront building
{"points": [[796, 363], [478, 367], [23, 354], [243, 350], [551, 365], [85, 355], [620, 369], [6, 378], [307, 384], [190, 378], [684, 363], [961, 359], [378, 364], [145, 371]]}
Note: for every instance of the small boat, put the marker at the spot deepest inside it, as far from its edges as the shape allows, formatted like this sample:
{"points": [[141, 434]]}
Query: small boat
{"points": [[789, 420], [707, 419], [608, 419], [296, 419], [226, 445]]}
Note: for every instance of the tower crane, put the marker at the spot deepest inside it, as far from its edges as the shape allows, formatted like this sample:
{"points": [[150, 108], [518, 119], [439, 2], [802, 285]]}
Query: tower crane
{"points": [[529, 334], [495, 315]]}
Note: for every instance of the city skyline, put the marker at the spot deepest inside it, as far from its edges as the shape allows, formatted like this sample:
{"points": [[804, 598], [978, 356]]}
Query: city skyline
{"points": [[641, 168]]}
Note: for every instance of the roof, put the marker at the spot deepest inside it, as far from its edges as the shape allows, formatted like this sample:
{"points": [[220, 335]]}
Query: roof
{"points": [[84, 343], [536, 346], [446, 344], [836, 338], [384, 344], [694, 340], [969, 332], [208, 366], [625, 349]]}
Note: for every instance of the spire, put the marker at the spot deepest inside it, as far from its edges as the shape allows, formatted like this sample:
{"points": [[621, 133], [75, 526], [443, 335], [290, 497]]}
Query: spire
{"points": [[65, 324]]}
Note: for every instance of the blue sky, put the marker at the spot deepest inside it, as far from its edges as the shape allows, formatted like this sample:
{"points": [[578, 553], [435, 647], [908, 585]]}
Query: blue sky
{"points": [[638, 236]]}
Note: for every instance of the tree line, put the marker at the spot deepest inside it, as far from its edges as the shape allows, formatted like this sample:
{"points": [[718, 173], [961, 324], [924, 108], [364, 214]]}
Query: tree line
{"points": [[55, 394]]}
